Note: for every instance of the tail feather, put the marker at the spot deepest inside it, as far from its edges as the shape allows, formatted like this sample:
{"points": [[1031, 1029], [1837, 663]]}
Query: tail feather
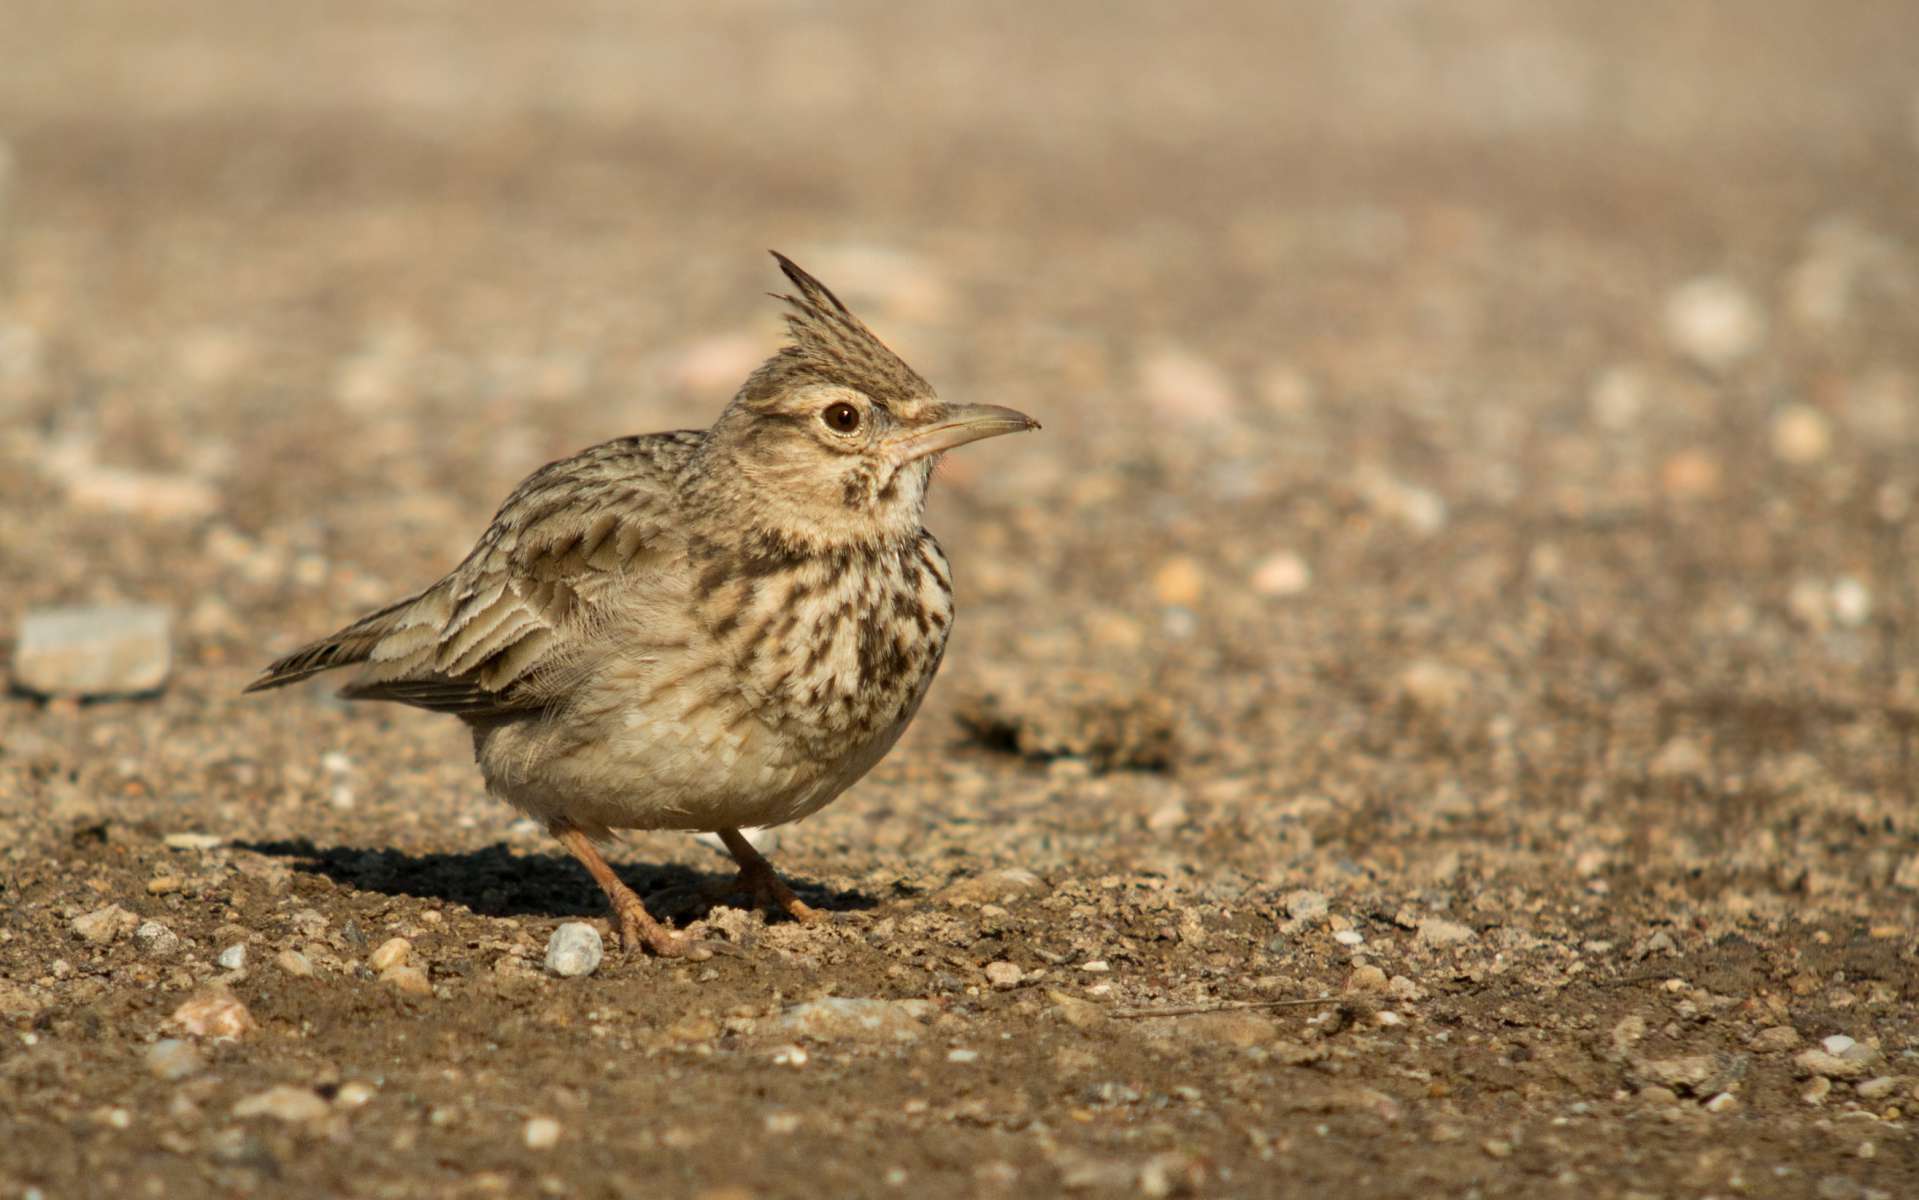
{"points": [[354, 644]]}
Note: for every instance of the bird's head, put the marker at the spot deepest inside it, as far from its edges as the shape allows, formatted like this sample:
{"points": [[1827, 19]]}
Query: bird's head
{"points": [[832, 441]]}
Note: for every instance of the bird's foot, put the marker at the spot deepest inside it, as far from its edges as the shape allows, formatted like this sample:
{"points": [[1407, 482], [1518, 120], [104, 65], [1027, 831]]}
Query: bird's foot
{"points": [[637, 928], [760, 881]]}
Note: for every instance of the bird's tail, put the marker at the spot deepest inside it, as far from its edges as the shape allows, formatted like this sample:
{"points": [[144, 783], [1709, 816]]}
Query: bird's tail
{"points": [[354, 644]]}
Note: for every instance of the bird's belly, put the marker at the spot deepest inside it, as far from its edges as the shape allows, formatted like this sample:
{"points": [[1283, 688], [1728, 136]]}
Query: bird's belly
{"points": [[680, 756]]}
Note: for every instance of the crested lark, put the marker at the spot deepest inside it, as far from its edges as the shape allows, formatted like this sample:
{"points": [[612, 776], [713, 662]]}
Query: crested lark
{"points": [[702, 630]]}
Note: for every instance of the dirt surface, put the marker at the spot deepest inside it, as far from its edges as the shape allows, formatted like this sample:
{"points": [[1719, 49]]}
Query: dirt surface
{"points": [[1466, 584]]}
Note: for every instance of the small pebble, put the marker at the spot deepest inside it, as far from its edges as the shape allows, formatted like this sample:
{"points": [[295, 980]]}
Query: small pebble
{"points": [[1350, 937], [1004, 975], [214, 1012], [542, 1133], [103, 926], [1774, 1039], [294, 1105], [391, 953], [1724, 1102], [233, 957], [1437, 931], [1179, 582], [574, 949], [356, 1094], [411, 980], [1801, 434], [1282, 574], [1306, 906], [1876, 1088], [108, 651], [1366, 978], [294, 963], [1714, 321], [962, 1056], [156, 939], [173, 1059]]}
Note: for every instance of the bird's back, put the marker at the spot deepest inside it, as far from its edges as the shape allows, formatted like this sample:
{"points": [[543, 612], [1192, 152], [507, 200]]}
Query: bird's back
{"points": [[567, 557]]}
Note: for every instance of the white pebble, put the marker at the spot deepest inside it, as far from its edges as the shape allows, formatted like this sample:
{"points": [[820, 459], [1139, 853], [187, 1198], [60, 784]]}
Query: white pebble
{"points": [[233, 957], [1350, 937], [293, 1105], [1282, 574], [173, 1059], [1838, 1043], [962, 1056], [1714, 322], [574, 949], [542, 1133], [1851, 602], [1003, 975]]}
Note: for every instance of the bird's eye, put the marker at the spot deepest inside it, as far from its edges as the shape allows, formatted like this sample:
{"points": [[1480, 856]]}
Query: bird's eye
{"points": [[841, 417]]}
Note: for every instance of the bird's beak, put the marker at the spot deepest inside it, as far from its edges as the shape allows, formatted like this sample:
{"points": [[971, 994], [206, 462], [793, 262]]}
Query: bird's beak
{"points": [[961, 423]]}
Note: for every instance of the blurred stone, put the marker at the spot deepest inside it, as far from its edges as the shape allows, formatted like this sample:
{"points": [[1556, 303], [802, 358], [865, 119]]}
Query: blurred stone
{"points": [[294, 1105], [1433, 686], [294, 963], [391, 953], [411, 980], [1680, 758], [1180, 581], [1774, 1039], [149, 494], [156, 939], [1801, 434], [1437, 931], [233, 957], [1618, 398], [1282, 574], [574, 949], [1307, 905], [999, 884], [78, 652], [1183, 387], [1714, 322], [1851, 602], [1004, 975], [104, 926], [172, 1059], [541, 1133], [1691, 475], [214, 1012], [1421, 510], [1830, 1065], [840, 1017]]}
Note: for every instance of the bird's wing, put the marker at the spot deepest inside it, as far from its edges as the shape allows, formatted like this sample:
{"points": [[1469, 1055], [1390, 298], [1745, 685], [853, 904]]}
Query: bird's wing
{"points": [[507, 631]]}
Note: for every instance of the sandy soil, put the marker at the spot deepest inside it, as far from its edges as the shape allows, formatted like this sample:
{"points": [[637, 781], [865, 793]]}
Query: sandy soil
{"points": [[1434, 713]]}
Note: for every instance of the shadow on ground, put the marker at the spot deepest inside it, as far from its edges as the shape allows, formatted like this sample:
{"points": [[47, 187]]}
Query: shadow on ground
{"points": [[496, 882]]}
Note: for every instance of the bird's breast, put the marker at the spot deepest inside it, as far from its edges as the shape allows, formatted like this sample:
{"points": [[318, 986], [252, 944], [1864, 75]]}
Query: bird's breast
{"points": [[835, 650]]}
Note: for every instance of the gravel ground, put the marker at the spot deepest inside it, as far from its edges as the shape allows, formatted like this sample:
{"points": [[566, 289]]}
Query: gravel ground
{"points": [[1433, 714]]}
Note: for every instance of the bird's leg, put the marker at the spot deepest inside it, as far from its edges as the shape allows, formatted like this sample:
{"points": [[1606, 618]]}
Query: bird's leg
{"points": [[636, 925], [758, 878]]}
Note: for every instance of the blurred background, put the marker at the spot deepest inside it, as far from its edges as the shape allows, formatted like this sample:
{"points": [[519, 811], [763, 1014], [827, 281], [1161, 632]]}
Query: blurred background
{"points": [[1481, 439]]}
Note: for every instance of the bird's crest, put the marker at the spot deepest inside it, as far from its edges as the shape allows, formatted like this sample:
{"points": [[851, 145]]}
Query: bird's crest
{"points": [[831, 345]]}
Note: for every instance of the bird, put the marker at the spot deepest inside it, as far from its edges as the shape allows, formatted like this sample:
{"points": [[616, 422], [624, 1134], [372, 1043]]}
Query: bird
{"points": [[706, 629]]}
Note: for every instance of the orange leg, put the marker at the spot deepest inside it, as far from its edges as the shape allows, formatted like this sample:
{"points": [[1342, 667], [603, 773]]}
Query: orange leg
{"points": [[758, 877], [636, 926]]}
